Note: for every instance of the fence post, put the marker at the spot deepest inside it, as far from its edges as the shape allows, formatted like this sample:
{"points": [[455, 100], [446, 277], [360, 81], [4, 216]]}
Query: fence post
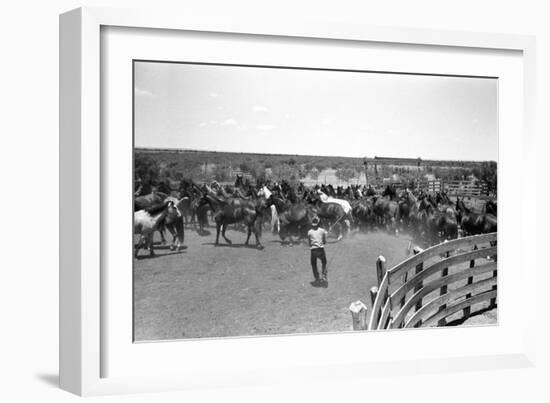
{"points": [[373, 294], [443, 291], [420, 285], [380, 273], [358, 315], [402, 303], [493, 302], [380, 269], [467, 310]]}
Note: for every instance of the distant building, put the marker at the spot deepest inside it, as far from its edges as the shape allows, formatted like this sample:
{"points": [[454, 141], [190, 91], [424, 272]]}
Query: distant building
{"points": [[429, 177]]}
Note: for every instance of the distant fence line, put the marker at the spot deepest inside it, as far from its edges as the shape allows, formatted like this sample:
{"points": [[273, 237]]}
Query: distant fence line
{"points": [[420, 291], [451, 187]]}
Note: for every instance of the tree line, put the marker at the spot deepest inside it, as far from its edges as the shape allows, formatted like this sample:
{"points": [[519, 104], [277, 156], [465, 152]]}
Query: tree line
{"points": [[168, 167]]}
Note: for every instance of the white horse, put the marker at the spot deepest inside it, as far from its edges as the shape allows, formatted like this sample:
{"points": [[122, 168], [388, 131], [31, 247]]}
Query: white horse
{"points": [[275, 223], [173, 222], [146, 222]]}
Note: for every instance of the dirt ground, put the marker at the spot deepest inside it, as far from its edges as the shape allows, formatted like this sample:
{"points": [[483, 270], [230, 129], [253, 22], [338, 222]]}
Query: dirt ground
{"points": [[208, 291]]}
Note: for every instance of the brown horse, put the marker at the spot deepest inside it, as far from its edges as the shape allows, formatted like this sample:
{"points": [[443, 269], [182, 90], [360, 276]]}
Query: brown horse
{"points": [[332, 215], [474, 223], [363, 213], [386, 210], [146, 201], [235, 210], [432, 224], [294, 218], [407, 207]]}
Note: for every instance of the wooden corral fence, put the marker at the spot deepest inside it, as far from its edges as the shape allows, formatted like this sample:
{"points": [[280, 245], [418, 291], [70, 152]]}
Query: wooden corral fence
{"points": [[454, 187], [442, 281], [430, 186], [465, 188]]}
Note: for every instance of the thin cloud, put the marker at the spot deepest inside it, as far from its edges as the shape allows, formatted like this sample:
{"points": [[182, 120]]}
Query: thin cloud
{"points": [[213, 94], [202, 124]]}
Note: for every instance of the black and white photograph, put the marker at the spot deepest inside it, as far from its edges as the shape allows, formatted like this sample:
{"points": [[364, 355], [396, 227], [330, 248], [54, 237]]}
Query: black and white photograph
{"points": [[243, 201], [272, 200]]}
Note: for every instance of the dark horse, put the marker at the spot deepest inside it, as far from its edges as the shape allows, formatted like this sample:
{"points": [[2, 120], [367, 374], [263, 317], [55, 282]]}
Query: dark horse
{"points": [[234, 210], [363, 213], [294, 218], [434, 224], [474, 223], [386, 209], [146, 201], [407, 207], [332, 214]]}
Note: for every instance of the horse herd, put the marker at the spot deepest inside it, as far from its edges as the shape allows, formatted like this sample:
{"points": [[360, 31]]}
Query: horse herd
{"points": [[288, 210]]}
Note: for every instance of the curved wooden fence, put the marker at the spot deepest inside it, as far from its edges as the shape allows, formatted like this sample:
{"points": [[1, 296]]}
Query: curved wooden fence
{"points": [[444, 281]]}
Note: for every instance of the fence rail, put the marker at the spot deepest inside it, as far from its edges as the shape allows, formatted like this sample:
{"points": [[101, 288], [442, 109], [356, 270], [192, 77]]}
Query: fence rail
{"points": [[433, 285], [455, 187], [452, 187]]}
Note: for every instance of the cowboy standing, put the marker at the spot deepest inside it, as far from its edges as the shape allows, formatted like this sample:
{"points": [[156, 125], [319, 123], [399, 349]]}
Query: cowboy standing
{"points": [[317, 239]]}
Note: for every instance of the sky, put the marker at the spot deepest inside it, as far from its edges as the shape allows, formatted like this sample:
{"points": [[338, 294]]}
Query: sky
{"points": [[312, 112]]}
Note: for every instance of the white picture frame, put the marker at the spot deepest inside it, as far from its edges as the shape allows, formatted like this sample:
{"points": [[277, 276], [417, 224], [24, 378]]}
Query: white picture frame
{"points": [[83, 310]]}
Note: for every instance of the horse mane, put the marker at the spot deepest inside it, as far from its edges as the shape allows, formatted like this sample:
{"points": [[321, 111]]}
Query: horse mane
{"points": [[215, 198], [157, 208], [161, 195]]}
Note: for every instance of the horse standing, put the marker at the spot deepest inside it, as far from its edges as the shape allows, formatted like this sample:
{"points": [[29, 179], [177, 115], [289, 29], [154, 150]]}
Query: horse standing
{"points": [[331, 213], [152, 199], [294, 218], [363, 213], [386, 209], [173, 222], [146, 222], [474, 223], [407, 207], [233, 210]]}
